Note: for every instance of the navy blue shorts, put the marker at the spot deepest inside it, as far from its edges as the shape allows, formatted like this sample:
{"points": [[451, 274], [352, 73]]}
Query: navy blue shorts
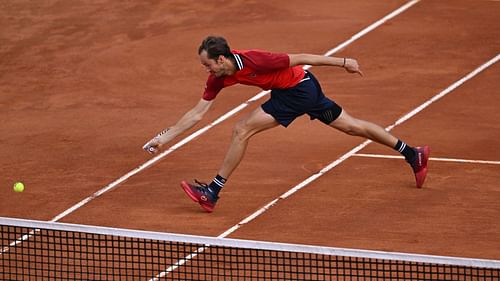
{"points": [[306, 97]]}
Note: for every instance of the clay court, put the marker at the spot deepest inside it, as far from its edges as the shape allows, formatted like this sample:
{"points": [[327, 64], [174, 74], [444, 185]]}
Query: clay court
{"points": [[84, 84]]}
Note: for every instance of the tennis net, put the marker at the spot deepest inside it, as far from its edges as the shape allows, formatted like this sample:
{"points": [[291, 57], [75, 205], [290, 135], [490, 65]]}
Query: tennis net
{"points": [[36, 250]]}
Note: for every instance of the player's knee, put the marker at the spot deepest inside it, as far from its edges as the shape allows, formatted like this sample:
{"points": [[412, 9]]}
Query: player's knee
{"points": [[350, 126], [351, 130], [240, 131]]}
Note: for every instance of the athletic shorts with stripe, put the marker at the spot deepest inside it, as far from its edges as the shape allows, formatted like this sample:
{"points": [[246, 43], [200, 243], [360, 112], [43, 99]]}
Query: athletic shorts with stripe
{"points": [[305, 98]]}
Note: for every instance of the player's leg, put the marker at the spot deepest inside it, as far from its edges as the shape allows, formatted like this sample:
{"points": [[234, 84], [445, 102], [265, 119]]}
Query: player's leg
{"points": [[257, 121], [333, 115], [357, 127], [207, 195], [417, 157]]}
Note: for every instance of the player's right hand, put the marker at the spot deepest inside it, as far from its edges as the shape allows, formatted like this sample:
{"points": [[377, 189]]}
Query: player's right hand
{"points": [[154, 144]]}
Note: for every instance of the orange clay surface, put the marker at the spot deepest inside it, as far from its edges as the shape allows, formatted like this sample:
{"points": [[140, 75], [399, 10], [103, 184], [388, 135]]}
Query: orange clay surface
{"points": [[84, 84]]}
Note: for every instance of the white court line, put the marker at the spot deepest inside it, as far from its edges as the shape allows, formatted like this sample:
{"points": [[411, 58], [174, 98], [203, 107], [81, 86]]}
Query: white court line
{"points": [[431, 158], [19, 240], [344, 157]]}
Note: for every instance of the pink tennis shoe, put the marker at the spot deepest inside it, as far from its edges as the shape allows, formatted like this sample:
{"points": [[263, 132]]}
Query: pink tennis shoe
{"points": [[420, 164]]}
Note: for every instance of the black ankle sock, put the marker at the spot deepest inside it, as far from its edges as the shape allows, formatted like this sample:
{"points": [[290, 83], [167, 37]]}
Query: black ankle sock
{"points": [[407, 151], [217, 184]]}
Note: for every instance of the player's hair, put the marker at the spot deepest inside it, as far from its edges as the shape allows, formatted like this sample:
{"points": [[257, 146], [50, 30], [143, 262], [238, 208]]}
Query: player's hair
{"points": [[215, 46]]}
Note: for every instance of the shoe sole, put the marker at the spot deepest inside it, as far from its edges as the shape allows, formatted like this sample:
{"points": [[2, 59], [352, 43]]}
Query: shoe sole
{"points": [[422, 174], [187, 189]]}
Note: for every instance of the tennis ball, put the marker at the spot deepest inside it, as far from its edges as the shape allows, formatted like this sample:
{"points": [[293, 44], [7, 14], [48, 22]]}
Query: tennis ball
{"points": [[18, 187]]}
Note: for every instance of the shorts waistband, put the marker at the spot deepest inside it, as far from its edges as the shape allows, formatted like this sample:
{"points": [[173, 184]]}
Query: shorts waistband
{"points": [[306, 77]]}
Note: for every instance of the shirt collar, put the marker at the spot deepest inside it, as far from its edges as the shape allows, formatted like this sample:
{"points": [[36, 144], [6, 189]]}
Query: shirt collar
{"points": [[239, 61]]}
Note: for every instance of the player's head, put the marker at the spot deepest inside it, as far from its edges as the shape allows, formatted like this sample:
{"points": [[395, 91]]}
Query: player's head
{"points": [[215, 46], [215, 56]]}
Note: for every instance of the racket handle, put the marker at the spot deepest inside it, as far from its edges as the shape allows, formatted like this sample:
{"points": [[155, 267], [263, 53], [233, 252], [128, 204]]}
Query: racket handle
{"points": [[149, 148], [152, 146]]}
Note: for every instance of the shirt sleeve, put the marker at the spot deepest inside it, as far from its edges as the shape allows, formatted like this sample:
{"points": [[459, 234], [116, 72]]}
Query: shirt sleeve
{"points": [[213, 87], [265, 61]]}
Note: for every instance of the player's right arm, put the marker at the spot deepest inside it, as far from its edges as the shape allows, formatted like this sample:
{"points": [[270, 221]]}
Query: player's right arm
{"points": [[188, 120]]}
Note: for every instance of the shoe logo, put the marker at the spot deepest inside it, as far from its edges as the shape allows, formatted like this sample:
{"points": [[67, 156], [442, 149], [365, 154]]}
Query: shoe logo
{"points": [[420, 159], [203, 198]]}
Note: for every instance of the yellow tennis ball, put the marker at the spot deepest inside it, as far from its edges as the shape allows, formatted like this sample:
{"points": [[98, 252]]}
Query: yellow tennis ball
{"points": [[18, 187]]}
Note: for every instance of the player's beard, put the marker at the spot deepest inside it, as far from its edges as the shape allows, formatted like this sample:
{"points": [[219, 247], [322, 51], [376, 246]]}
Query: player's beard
{"points": [[219, 73]]}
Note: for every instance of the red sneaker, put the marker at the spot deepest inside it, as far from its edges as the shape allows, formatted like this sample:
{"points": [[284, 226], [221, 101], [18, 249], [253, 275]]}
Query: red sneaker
{"points": [[420, 164], [200, 194]]}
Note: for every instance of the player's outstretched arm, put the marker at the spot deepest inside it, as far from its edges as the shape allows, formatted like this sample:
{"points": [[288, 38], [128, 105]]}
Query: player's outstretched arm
{"points": [[350, 64], [188, 120]]}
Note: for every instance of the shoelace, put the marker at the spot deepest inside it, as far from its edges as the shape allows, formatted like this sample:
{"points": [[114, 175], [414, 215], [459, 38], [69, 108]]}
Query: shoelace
{"points": [[206, 190], [202, 184]]}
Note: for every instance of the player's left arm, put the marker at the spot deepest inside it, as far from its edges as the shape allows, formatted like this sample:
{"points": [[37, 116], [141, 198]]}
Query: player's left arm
{"points": [[351, 65]]}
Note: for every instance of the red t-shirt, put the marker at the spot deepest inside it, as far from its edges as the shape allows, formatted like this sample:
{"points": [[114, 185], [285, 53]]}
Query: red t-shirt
{"points": [[257, 68]]}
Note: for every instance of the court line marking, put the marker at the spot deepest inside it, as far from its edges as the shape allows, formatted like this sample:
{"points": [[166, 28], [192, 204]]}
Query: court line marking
{"points": [[335, 163], [430, 158], [232, 112]]}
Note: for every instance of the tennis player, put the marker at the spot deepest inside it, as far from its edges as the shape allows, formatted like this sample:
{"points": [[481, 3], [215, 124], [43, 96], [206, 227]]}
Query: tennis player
{"points": [[294, 92]]}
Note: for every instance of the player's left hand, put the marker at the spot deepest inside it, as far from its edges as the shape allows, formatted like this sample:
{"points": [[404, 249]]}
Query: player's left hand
{"points": [[352, 66]]}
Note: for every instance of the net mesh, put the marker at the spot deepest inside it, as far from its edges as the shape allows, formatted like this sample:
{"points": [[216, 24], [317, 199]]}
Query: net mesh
{"points": [[36, 253]]}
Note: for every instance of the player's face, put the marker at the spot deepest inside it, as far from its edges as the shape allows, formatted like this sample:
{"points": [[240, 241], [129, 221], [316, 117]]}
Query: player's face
{"points": [[215, 67]]}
